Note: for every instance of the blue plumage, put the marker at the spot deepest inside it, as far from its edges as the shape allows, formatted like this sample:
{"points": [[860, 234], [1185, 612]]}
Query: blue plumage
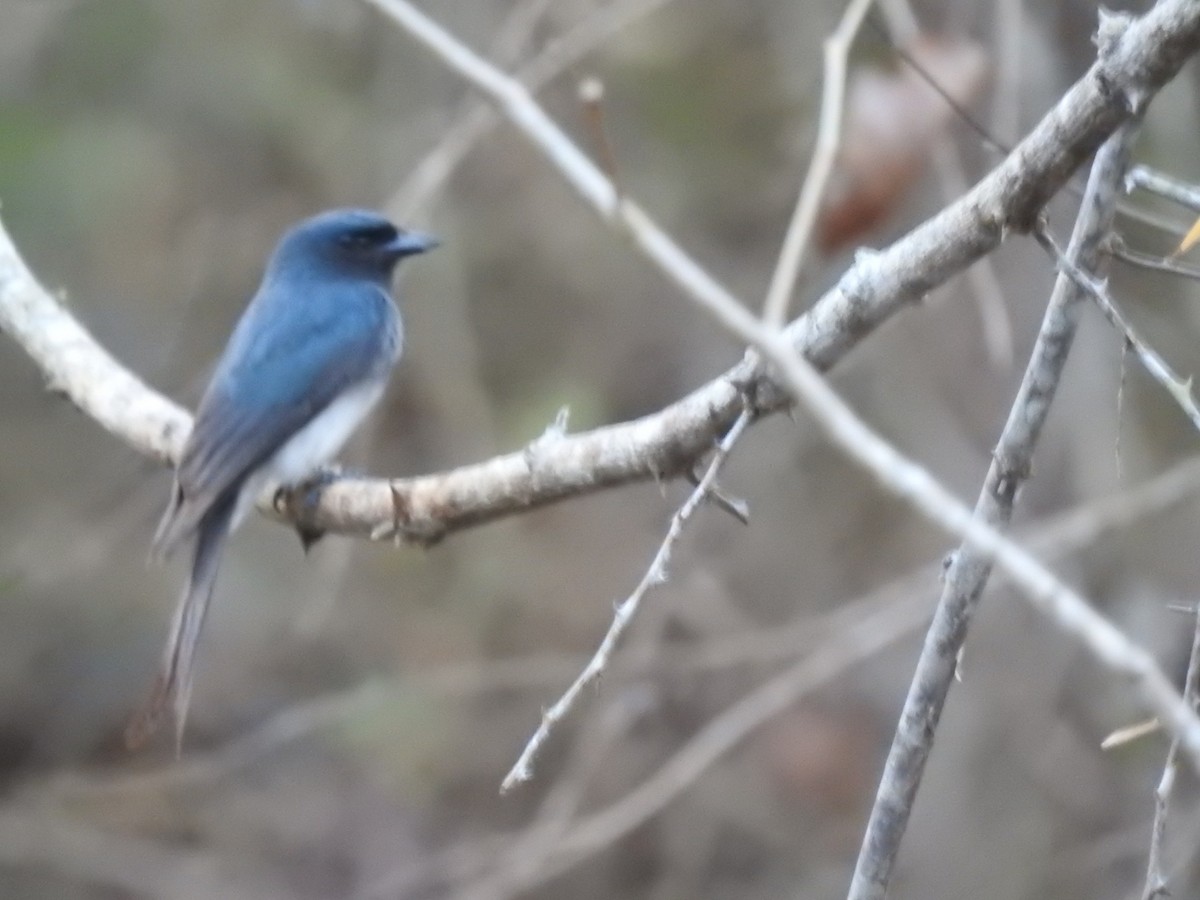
{"points": [[305, 364]]}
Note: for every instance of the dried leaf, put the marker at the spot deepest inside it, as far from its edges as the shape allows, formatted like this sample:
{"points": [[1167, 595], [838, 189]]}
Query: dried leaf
{"points": [[892, 120], [1189, 239]]}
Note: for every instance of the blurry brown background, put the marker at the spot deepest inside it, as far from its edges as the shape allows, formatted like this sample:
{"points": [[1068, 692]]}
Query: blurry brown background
{"points": [[356, 710]]}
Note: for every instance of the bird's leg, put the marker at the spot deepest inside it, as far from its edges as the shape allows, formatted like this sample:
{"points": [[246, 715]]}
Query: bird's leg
{"points": [[305, 495]]}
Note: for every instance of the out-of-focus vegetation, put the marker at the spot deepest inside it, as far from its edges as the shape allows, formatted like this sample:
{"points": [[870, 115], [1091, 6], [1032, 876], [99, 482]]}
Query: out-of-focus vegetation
{"points": [[150, 154]]}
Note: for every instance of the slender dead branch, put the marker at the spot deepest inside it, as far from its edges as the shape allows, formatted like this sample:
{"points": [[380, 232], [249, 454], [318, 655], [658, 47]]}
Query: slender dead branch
{"points": [[1154, 182], [655, 575], [1156, 876], [995, 321], [77, 367], [829, 137], [435, 169], [969, 571], [1179, 389], [1125, 76], [1116, 248]]}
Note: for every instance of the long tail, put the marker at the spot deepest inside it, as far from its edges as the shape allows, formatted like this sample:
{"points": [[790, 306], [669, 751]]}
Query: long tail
{"points": [[173, 687]]}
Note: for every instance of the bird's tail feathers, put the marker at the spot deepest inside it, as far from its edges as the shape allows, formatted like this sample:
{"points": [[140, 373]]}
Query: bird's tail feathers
{"points": [[179, 520], [173, 686]]}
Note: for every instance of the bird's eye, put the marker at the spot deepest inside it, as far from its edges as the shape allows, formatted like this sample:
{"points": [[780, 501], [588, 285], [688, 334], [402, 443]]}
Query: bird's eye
{"points": [[378, 234], [368, 236]]}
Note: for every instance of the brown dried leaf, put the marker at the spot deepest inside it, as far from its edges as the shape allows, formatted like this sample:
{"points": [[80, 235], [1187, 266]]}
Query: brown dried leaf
{"points": [[892, 120]]}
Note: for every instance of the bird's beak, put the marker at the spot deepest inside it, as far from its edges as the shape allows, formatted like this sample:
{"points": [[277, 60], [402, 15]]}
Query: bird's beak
{"points": [[410, 243]]}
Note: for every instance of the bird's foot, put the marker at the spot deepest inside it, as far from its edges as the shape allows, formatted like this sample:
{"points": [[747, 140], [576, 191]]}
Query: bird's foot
{"points": [[305, 495]]}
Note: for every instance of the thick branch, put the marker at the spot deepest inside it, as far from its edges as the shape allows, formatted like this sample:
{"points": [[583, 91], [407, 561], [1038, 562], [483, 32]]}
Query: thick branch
{"points": [[80, 369]]}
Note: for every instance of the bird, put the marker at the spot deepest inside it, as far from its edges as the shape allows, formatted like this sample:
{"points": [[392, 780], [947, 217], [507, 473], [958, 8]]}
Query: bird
{"points": [[307, 361]]}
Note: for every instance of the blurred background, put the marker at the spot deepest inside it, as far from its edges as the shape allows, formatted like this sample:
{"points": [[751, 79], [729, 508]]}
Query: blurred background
{"points": [[356, 710]]}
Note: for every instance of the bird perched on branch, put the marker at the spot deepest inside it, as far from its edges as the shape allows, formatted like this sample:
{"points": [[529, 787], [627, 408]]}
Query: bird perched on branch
{"points": [[307, 361]]}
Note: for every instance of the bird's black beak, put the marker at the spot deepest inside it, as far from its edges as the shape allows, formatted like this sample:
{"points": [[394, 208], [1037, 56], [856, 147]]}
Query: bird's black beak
{"points": [[410, 243]]}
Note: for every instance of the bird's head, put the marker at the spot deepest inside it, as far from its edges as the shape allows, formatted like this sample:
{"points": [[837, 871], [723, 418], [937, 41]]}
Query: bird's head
{"points": [[348, 242]]}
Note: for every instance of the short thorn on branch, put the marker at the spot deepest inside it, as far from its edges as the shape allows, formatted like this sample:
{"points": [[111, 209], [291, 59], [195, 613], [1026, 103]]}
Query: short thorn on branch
{"points": [[553, 433]]}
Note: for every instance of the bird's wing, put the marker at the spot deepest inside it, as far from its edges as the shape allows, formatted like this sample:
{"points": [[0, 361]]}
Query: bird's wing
{"points": [[282, 367]]}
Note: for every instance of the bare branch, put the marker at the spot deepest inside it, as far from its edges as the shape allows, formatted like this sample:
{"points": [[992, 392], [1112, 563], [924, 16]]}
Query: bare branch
{"points": [[522, 769], [1132, 67], [430, 175], [1116, 248], [523, 111], [1156, 877], [1180, 389], [829, 136], [1155, 182], [970, 569], [1066, 609]]}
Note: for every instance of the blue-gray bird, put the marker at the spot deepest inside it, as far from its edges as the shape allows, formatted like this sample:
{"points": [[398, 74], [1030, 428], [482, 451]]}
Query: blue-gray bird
{"points": [[305, 364]]}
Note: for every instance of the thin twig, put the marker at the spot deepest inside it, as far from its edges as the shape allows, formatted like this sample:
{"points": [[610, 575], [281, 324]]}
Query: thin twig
{"points": [[655, 575], [524, 859], [1156, 877], [1009, 198], [1066, 609], [970, 569], [1166, 265], [995, 321], [1152, 181], [431, 174], [1180, 389], [829, 137]]}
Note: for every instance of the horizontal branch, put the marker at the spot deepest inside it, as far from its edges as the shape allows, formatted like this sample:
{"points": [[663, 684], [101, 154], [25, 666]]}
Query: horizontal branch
{"points": [[1146, 55]]}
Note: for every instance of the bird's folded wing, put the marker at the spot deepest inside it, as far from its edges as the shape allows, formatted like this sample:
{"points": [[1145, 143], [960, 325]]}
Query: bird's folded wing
{"points": [[274, 378]]}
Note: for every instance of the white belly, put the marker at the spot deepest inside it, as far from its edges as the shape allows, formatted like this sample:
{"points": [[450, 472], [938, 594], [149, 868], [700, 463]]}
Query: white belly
{"points": [[313, 445], [319, 441]]}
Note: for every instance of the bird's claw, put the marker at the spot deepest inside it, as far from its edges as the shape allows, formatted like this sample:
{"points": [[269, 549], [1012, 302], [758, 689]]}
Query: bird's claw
{"points": [[304, 496]]}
